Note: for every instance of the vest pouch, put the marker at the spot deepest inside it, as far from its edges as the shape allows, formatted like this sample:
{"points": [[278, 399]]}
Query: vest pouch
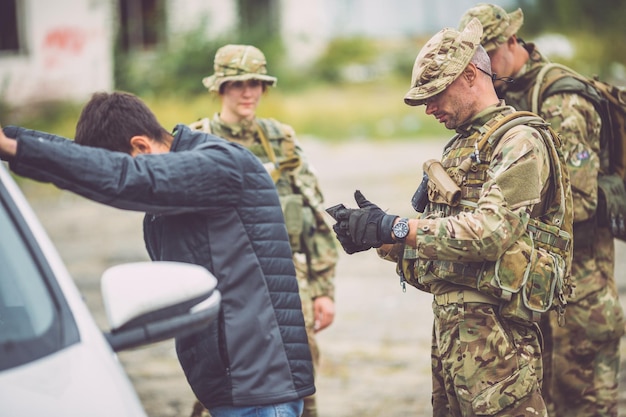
{"points": [[505, 278], [416, 272], [513, 267], [537, 297], [292, 211], [611, 211], [410, 267], [311, 242]]}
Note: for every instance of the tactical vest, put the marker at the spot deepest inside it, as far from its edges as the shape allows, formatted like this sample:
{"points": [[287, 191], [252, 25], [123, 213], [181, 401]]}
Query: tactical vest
{"points": [[275, 147], [532, 276]]}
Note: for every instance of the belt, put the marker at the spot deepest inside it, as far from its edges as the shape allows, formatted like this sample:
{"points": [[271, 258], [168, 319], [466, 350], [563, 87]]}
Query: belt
{"points": [[468, 296]]}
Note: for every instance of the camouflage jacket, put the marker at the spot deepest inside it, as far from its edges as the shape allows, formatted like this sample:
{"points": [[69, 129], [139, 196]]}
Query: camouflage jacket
{"points": [[457, 247], [312, 241], [579, 124]]}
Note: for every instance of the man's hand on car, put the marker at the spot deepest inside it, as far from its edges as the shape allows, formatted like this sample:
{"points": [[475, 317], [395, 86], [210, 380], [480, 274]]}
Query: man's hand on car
{"points": [[8, 146]]}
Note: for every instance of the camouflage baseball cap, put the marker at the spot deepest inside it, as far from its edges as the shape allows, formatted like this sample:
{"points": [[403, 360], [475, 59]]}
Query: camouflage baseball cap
{"points": [[238, 63], [498, 25], [441, 61]]}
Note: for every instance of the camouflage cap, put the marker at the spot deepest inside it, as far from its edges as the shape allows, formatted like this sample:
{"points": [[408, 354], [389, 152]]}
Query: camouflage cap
{"points": [[238, 63], [441, 61], [498, 25]]}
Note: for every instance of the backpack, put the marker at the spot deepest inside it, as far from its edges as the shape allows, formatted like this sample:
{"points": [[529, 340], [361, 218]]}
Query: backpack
{"points": [[610, 103]]}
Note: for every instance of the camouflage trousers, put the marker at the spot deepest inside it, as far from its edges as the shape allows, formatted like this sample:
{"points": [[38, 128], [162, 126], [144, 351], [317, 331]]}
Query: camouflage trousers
{"points": [[584, 357], [484, 365]]}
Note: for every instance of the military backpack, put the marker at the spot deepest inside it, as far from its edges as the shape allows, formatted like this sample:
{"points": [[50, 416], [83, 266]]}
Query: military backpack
{"points": [[610, 102]]}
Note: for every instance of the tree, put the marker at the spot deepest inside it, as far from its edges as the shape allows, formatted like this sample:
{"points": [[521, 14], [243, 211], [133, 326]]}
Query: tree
{"points": [[598, 16], [260, 25], [595, 27]]}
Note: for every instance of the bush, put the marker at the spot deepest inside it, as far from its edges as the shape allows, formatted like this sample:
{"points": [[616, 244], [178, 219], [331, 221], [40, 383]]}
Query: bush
{"points": [[176, 67], [58, 117]]}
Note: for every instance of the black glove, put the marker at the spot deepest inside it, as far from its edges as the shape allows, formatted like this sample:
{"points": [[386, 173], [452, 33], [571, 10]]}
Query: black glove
{"points": [[363, 228], [343, 235], [341, 214]]}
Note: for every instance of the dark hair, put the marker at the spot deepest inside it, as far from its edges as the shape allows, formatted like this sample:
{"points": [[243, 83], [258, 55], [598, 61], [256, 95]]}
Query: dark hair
{"points": [[110, 120]]}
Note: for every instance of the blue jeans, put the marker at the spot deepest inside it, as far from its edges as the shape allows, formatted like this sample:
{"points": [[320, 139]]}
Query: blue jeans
{"points": [[291, 409]]}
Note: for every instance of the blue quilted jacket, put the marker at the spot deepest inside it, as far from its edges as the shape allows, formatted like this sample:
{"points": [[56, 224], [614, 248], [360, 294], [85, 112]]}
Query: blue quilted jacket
{"points": [[208, 202]]}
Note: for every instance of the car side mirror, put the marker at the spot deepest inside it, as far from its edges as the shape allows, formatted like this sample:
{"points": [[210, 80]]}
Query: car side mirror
{"points": [[148, 302]]}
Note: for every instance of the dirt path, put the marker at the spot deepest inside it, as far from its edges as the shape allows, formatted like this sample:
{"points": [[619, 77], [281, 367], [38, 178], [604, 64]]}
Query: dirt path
{"points": [[375, 357]]}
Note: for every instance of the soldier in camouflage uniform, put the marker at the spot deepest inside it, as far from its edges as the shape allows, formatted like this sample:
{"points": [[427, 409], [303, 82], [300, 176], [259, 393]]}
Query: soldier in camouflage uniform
{"points": [[240, 79], [485, 361], [585, 356]]}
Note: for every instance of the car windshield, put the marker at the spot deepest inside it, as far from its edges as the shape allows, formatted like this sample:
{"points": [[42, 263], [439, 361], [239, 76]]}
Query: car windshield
{"points": [[25, 306], [31, 318]]}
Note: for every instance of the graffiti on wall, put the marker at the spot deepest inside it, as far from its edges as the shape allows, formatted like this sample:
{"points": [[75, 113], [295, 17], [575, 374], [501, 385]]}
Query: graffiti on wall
{"points": [[63, 43]]}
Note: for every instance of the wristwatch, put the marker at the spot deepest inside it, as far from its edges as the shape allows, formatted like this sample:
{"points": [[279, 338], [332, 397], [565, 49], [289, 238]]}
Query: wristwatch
{"points": [[400, 230]]}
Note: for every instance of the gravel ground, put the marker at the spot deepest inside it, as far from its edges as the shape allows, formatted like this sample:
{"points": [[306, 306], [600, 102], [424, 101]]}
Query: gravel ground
{"points": [[376, 355]]}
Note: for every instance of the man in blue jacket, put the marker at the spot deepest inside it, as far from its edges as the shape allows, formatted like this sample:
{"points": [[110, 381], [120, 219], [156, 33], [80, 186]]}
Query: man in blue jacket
{"points": [[208, 202]]}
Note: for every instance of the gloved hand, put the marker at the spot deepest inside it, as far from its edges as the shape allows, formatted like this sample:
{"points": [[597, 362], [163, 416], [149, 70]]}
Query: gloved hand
{"points": [[363, 228], [343, 235]]}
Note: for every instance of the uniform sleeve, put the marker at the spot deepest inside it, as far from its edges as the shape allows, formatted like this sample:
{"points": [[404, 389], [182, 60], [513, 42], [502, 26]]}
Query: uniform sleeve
{"points": [[167, 183], [516, 178], [577, 121], [319, 241]]}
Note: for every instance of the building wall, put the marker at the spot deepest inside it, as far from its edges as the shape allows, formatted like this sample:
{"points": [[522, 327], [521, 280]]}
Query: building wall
{"points": [[219, 16], [307, 26], [68, 44], [67, 51]]}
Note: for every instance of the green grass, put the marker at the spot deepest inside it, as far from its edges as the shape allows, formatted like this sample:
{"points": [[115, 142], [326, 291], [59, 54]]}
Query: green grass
{"points": [[374, 111], [55, 117], [365, 111]]}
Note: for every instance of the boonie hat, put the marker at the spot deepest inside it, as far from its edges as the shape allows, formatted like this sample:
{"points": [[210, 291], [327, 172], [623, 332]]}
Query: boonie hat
{"points": [[498, 25], [441, 61], [238, 63]]}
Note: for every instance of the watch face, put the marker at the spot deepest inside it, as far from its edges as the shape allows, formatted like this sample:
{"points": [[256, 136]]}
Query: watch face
{"points": [[401, 229]]}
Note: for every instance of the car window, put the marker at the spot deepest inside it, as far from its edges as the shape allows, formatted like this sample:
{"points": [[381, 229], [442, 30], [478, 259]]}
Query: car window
{"points": [[32, 315], [25, 307]]}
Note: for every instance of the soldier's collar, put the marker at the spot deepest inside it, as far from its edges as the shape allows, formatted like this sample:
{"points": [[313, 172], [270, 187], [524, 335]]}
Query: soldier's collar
{"points": [[475, 123], [238, 130]]}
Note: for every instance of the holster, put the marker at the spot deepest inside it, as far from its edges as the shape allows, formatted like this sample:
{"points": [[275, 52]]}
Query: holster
{"points": [[441, 188]]}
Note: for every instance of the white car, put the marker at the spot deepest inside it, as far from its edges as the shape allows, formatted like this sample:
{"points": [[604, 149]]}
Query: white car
{"points": [[54, 360]]}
